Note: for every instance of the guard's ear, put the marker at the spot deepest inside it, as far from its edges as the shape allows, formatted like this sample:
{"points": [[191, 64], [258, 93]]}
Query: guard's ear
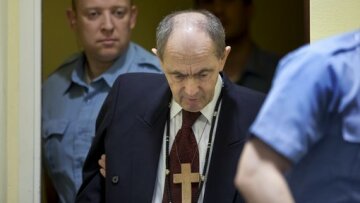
{"points": [[133, 16], [71, 16]]}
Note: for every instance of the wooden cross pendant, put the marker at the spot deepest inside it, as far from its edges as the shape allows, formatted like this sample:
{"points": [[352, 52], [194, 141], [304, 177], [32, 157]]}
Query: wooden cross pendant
{"points": [[185, 178]]}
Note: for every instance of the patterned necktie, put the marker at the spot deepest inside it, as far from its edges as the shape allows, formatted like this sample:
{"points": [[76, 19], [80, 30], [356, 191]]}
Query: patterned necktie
{"points": [[184, 151]]}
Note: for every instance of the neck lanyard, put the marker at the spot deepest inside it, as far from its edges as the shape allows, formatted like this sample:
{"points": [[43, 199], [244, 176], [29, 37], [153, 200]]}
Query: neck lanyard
{"points": [[209, 145]]}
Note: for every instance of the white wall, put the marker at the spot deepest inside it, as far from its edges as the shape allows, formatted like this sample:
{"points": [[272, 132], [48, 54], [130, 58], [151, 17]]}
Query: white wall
{"points": [[20, 66], [329, 17], [29, 101], [2, 100]]}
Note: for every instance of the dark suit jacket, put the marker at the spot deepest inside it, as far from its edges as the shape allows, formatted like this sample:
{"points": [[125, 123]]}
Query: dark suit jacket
{"points": [[130, 129]]}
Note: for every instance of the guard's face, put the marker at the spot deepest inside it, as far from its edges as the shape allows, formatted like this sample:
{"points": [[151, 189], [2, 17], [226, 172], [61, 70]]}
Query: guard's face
{"points": [[192, 68], [103, 27]]}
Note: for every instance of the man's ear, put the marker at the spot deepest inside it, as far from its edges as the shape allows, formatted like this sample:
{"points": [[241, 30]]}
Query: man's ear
{"points": [[225, 55], [227, 52], [154, 51], [133, 16], [71, 16]]}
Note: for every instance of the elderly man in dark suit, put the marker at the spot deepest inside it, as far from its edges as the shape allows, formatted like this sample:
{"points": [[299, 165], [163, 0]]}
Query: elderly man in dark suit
{"points": [[174, 137]]}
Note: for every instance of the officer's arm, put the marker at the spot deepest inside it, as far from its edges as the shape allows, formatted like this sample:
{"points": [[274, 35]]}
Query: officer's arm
{"points": [[260, 174]]}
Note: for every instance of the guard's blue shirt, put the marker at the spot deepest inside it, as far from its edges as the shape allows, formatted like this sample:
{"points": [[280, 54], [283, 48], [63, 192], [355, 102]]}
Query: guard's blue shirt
{"points": [[312, 117], [69, 110]]}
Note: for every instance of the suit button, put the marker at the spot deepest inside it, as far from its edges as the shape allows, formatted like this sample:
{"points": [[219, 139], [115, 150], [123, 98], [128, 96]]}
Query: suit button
{"points": [[115, 179]]}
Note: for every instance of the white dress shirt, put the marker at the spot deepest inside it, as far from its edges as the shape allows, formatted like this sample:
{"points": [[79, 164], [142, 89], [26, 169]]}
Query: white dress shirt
{"points": [[201, 130]]}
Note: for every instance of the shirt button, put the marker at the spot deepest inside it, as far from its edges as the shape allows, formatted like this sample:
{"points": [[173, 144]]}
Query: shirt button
{"points": [[115, 179]]}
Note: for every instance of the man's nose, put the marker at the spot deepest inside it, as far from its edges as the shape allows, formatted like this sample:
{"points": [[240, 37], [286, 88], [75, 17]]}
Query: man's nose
{"points": [[191, 86], [108, 24]]}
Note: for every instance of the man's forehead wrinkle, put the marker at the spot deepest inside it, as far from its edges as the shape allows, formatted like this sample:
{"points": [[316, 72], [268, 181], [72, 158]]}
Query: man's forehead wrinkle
{"points": [[181, 58], [188, 58]]}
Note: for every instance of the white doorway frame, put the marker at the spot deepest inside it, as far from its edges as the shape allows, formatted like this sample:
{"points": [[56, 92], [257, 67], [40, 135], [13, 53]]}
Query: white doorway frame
{"points": [[29, 189]]}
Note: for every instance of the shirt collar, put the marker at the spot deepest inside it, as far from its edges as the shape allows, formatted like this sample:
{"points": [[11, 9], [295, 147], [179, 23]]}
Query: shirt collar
{"points": [[208, 110], [77, 75], [120, 66]]}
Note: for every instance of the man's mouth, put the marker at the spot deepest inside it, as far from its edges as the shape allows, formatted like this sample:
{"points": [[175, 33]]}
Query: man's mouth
{"points": [[108, 42]]}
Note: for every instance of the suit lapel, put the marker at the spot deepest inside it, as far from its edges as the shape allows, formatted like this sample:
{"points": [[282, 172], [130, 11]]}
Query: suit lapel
{"points": [[226, 150], [147, 145]]}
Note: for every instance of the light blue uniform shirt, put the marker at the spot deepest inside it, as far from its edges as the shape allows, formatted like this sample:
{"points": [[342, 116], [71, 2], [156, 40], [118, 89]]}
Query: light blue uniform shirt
{"points": [[69, 110], [312, 117]]}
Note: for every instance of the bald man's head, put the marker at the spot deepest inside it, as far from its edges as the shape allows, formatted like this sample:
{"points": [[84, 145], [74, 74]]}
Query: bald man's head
{"points": [[187, 22]]}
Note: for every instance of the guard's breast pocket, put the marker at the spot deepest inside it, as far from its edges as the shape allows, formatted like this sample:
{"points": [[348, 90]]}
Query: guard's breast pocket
{"points": [[53, 132]]}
